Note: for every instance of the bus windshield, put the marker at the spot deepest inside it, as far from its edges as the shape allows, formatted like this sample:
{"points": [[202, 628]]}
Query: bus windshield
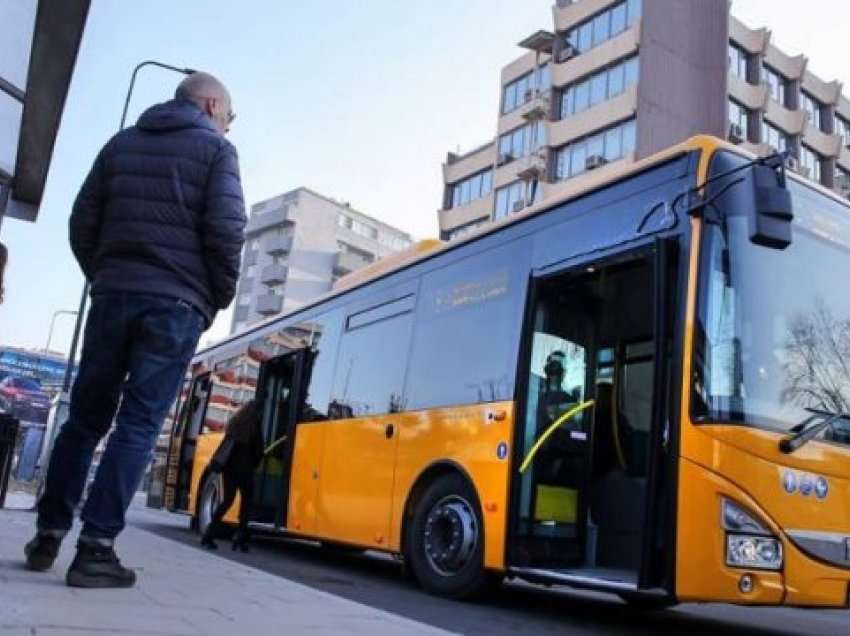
{"points": [[773, 327]]}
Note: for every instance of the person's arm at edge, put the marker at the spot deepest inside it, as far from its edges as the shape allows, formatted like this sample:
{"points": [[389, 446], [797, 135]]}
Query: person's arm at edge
{"points": [[86, 217]]}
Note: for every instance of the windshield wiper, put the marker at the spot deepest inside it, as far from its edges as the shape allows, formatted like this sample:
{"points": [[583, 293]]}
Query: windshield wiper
{"points": [[809, 428]]}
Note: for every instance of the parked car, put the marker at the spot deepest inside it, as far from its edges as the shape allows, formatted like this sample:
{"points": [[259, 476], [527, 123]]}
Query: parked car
{"points": [[24, 399]]}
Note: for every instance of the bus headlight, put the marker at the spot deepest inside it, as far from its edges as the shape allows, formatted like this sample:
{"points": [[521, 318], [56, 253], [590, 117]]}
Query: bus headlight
{"points": [[749, 544]]}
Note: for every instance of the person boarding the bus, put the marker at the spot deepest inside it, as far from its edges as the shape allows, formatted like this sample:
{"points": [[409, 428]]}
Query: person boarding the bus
{"points": [[236, 458], [157, 229]]}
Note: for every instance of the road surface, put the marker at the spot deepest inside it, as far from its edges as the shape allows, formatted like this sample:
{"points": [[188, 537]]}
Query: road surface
{"points": [[518, 608]]}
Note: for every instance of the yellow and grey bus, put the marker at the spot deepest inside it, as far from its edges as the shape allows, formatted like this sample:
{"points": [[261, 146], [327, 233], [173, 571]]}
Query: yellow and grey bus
{"points": [[639, 388]]}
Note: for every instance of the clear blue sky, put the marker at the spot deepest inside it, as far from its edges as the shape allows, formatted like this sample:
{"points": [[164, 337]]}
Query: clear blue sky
{"points": [[358, 100]]}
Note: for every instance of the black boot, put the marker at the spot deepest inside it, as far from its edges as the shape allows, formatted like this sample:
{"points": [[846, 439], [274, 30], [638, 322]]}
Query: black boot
{"points": [[207, 540], [240, 541], [96, 565], [42, 551]]}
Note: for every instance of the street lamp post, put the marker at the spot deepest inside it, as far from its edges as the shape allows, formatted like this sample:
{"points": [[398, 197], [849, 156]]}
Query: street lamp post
{"points": [[63, 406], [61, 312]]}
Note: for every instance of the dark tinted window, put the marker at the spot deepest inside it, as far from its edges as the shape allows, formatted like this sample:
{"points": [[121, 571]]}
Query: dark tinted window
{"points": [[321, 373], [369, 376], [467, 330]]}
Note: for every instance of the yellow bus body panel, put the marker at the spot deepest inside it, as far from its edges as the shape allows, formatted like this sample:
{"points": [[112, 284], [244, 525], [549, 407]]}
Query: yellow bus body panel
{"points": [[350, 483], [304, 486], [745, 465], [469, 438]]}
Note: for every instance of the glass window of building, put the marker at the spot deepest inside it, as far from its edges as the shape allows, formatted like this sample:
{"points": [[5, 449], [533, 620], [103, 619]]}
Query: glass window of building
{"points": [[604, 26], [776, 84], [508, 199], [472, 188], [842, 180], [810, 160], [842, 128], [813, 109], [466, 229], [773, 137], [738, 60], [599, 87], [739, 116], [611, 144], [521, 90]]}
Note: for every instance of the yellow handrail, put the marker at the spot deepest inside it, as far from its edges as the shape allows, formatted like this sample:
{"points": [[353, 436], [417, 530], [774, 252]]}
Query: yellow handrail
{"points": [[274, 445], [566, 416]]}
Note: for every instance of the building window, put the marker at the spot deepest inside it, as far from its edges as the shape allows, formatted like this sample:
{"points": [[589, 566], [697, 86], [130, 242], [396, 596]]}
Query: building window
{"points": [[472, 188], [604, 26], [522, 89], [842, 180], [738, 116], [842, 128], [773, 137], [522, 141], [738, 61], [245, 299], [776, 84], [364, 230], [466, 229], [813, 108], [392, 241], [611, 144], [599, 87], [250, 271], [511, 198], [810, 159], [343, 221]]}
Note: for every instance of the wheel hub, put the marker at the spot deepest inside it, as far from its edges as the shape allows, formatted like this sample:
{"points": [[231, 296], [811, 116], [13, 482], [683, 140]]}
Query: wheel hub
{"points": [[451, 535]]}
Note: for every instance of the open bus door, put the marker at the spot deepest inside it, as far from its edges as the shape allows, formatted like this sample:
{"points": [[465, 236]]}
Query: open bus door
{"points": [[280, 398], [184, 440], [590, 501]]}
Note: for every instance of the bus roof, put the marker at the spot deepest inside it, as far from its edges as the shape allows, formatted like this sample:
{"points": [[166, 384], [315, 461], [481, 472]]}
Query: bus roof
{"points": [[430, 248]]}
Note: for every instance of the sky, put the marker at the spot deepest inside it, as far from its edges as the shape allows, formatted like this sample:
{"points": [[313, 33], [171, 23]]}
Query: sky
{"points": [[357, 100]]}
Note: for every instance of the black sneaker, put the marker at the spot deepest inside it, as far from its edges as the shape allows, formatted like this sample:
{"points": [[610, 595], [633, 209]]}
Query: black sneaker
{"points": [[96, 565], [42, 551]]}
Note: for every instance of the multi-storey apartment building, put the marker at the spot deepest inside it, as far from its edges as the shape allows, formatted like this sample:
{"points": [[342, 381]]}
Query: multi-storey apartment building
{"points": [[297, 245], [617, 80]]}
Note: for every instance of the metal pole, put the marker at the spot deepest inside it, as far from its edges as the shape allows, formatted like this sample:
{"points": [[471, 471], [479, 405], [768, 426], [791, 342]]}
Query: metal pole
{"points": [[60, 312]]}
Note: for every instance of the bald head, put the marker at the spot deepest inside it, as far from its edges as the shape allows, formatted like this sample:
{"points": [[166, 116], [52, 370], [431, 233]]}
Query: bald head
{"points": [[210, 95]]}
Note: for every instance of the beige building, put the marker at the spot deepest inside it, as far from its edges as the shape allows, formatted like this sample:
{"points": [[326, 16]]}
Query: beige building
{"points": [[617, 80], [297, 245]]}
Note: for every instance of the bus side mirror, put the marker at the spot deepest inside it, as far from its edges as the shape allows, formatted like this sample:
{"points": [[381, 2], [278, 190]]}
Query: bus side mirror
{"points": [[770, 214]]}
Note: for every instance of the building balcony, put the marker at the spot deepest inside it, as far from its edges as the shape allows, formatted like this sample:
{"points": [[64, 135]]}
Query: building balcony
{"points": [[538, 106], [753, 96], [277, 245], [273, 274], [272, 218], [824, 144], [269, 305], [789, 121], [532, 167], [347, 262]]}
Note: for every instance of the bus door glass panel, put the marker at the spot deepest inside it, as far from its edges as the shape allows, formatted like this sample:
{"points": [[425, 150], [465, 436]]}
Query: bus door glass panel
{"points": [[278, 380], [193, 423], [583, 495]]}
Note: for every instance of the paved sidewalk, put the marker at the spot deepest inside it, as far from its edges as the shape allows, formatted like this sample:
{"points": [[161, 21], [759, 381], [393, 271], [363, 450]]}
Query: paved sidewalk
{"points": [[181, 590]]}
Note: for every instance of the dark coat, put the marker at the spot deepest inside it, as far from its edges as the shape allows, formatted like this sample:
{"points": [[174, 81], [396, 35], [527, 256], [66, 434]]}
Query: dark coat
{"points": [[242, 447], [161, 211]]}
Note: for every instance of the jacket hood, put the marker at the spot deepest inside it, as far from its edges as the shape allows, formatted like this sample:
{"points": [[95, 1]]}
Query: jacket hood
{"points": [[174, 115]]}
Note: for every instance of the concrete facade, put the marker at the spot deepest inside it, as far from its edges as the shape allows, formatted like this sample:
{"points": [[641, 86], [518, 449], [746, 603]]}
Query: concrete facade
{"points": [[297, 245], [691, 68]]}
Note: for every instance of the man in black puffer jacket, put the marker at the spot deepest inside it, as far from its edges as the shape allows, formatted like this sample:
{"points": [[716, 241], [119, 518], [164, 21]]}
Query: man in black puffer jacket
{"points": [[157, 228]]}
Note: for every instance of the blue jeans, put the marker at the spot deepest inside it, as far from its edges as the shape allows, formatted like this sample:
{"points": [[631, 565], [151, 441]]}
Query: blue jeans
{"points": [[135, 354]]}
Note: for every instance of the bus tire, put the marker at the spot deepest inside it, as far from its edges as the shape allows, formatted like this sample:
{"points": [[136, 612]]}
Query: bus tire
{"points": [[445, 542], [209, 496]]}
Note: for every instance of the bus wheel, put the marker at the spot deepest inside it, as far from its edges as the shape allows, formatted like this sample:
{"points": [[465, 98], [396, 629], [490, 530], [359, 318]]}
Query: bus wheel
{"points": [[445, 545], [208, 500]]}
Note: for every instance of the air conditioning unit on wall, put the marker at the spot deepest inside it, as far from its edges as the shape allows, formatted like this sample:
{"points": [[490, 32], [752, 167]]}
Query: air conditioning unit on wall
{"points": [[594, 161]]}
